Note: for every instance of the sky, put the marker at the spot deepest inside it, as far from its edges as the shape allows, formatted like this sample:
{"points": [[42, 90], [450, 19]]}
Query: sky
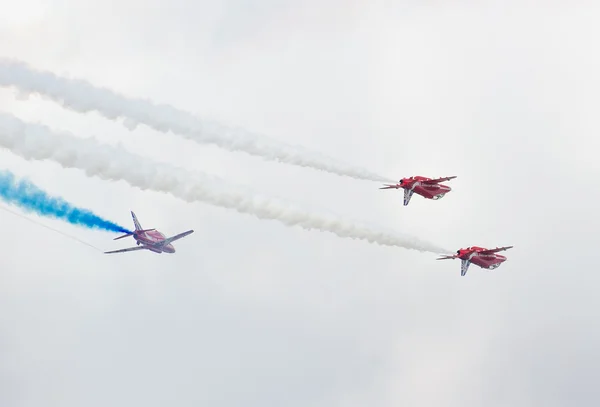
{"points": [[251, 312]]}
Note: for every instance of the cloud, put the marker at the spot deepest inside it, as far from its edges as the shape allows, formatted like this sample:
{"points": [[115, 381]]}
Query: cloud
{"points": [[502, 96]]}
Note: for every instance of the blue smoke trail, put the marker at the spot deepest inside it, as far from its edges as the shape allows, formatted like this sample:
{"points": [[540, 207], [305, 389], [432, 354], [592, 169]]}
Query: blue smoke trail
{"points": [[31, 198]]}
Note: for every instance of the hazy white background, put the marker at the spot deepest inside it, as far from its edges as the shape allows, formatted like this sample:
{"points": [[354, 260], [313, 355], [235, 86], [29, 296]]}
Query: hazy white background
{"points": [[252, 313]]}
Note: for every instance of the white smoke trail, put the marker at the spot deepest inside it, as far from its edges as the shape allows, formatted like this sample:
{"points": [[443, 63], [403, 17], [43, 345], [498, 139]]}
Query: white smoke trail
{"points": [[38, 142], [83, 97]]}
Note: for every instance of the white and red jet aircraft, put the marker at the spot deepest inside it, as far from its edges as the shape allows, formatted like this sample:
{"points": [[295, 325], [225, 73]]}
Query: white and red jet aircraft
{"points": [[149, 239], [426, 187], [484, 258]]}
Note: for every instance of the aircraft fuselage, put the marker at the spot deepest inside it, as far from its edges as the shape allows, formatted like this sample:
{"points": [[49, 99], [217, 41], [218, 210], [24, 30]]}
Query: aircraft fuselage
{"points": [[151, 237]]}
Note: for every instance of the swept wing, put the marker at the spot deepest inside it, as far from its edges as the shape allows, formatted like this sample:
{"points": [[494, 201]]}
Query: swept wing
{"points": [[173, 238], [438, 180], [496, 250], [129, 249]]}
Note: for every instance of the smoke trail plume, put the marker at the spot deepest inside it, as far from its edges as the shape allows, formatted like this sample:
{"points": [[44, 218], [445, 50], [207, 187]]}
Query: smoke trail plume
{"points": [[37, 142], [83, 97], [31, 198]]}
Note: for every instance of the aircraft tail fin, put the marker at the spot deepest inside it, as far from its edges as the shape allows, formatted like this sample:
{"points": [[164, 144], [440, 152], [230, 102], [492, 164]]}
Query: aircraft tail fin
{"points": [[408, 193], [464, 266], [136, 222], [138, 228]]}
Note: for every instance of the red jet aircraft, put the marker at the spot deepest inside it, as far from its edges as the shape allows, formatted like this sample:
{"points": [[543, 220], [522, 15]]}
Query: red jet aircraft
{"points": [[484, 258], [426, 187], [149, 239]]}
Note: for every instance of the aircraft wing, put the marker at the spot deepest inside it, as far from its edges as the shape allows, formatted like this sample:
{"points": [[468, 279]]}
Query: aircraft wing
{"points": [[437, 180], [496, 250], [129, 249], [173, 238]]}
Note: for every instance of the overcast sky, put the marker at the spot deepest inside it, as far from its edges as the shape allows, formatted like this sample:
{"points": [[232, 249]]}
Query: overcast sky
{"points": [[253, 313]]}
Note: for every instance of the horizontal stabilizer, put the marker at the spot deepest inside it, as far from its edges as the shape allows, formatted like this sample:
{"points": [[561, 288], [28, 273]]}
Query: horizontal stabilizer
{"points": [[125, 235], [446, 257], [131, 233]]}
